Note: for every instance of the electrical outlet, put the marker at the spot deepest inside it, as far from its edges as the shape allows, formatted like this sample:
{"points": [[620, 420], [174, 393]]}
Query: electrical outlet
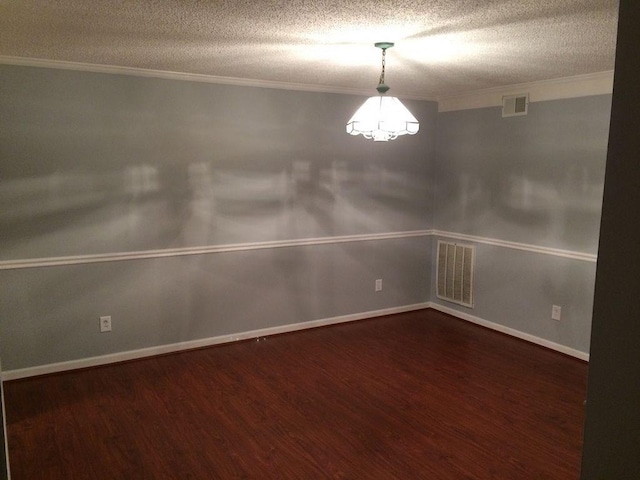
{"points": [[105, 324], [556, 312], [379, 285]]}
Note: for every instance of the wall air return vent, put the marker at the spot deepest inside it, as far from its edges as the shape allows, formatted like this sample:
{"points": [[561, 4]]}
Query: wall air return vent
{"points": [[514, 105], [454, 273]]}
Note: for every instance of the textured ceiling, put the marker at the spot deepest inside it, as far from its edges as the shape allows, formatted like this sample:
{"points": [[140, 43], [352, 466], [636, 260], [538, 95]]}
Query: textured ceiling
{"points": [[443, 47]]}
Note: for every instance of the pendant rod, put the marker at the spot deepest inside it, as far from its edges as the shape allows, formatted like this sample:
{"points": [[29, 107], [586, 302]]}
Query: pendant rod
{"points": [[382, 87]]}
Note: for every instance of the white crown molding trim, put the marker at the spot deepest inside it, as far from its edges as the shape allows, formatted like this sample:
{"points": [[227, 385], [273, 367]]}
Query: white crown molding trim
{"points": [[510, 331], [205, 342], [178, 252], [600, 83], [585, 257], [189, 77]]}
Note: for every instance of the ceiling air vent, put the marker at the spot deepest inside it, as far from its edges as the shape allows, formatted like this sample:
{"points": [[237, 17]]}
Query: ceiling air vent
{"points": [[514, 105], [454, 273]]}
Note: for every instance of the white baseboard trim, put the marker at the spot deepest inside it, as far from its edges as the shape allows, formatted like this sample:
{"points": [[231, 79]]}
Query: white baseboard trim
{"points": [[211, 341], [510, 331], [205, 342]]}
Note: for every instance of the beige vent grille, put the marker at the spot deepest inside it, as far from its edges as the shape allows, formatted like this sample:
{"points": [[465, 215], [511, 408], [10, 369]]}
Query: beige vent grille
{"points": [[454, 273], [515, 105]]}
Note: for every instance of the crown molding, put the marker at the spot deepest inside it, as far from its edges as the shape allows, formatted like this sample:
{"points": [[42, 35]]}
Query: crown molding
{"points": [[599, 83], [189, 77]]}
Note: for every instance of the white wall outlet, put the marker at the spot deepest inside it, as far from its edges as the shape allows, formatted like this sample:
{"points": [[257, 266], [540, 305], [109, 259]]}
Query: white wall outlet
{"points": [[105, 324], [379, 285], [556, 312]]}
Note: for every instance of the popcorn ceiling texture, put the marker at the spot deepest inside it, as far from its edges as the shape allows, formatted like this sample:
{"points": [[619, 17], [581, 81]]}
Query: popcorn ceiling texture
{"points": [[443, 47]]}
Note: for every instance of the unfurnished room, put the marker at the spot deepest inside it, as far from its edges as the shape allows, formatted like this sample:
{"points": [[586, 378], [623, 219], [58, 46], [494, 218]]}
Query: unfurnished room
{"points": [[318, 239]]}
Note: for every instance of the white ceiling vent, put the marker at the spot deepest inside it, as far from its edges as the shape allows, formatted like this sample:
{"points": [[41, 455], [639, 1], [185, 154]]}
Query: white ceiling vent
{"points": [[514, 105], [454, 273]]}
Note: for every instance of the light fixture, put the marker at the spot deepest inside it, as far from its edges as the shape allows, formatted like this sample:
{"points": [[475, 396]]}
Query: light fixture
{"points": [[382, 118]]}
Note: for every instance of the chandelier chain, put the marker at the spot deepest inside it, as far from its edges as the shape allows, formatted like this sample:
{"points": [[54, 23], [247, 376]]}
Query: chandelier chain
{"points": [[384, 54]]}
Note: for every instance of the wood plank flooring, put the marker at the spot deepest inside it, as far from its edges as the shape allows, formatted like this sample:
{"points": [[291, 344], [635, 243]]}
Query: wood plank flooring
{"points": [[412, 396]]}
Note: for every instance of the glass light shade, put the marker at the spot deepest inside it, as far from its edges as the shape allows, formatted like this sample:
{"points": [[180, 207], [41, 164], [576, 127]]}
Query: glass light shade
{"points": [[382, 118]]}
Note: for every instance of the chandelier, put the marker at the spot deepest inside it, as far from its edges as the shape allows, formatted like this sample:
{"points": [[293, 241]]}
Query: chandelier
{"points": [[380, 117]]}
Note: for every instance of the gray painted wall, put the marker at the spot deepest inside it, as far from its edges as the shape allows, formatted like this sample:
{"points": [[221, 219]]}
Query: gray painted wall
{"points": [[516, 289], [96, 163], [537, 180], [51, 314], [612, 427]]}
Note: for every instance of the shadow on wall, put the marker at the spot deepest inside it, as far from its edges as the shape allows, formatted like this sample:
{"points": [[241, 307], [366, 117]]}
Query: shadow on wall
{"points": [[171, 205], [112, 163], [563, 212], [535, 179]]}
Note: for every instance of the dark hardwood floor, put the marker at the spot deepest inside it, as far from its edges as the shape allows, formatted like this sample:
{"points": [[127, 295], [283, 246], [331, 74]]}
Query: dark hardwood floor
{"points": [[412, 396]]}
